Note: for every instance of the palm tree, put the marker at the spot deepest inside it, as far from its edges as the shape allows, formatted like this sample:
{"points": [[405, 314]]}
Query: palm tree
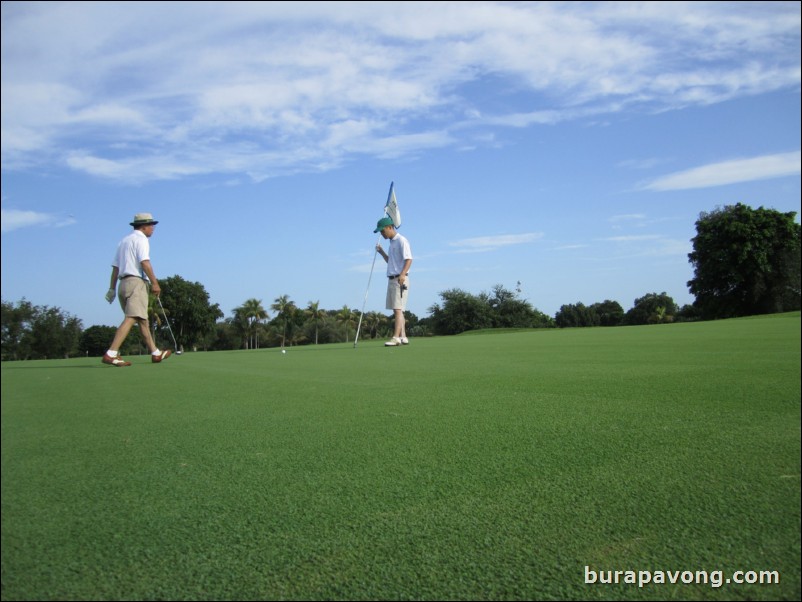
{"points": [[240, 325], [252, 313], [255, 313], [375, 321], [346, 316], [314, 313], [283, 308]]}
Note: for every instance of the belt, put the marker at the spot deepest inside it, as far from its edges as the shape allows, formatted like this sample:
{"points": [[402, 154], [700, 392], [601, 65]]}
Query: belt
{"points": [[129, 276], [394, 277]]}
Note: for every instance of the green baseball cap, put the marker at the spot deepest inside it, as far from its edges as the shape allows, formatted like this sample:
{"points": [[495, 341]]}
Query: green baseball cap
{"points": [[383, 223]]}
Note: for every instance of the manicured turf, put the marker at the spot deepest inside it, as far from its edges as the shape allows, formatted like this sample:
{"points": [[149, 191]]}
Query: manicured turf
{"points": [[482, 466]]}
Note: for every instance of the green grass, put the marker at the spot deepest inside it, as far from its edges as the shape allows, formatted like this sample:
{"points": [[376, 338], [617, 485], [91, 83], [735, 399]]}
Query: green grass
{"points": [[457, 468]]}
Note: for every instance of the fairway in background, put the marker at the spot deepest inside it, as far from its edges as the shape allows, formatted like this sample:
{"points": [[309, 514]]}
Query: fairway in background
{"points": [[481, 466]]}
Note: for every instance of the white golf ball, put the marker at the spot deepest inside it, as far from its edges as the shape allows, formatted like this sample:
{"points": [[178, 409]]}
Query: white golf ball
{"points": [[283, 351]]}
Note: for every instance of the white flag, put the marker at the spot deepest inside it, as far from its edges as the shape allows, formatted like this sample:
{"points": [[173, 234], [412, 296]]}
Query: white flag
{"points": [[391, 208]]}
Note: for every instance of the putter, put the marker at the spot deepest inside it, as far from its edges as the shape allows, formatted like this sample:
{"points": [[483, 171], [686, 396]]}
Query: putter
{"points": [[177, 350]]}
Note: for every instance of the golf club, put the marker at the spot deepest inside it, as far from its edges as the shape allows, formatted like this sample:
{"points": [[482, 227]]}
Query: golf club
{"points": [[166, 321]]}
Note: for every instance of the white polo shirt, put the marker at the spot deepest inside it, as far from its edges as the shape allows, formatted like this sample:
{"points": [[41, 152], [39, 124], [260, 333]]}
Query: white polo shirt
{"points": [[399, 252], [131, 252]]}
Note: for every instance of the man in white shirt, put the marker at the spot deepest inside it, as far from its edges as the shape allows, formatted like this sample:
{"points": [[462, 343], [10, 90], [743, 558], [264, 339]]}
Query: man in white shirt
{"points": [[399, 259], [132, 268]]}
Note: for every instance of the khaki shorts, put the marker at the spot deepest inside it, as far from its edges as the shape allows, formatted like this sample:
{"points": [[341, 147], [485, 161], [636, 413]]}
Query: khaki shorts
{"points": [[133, 295], [396, 298]]}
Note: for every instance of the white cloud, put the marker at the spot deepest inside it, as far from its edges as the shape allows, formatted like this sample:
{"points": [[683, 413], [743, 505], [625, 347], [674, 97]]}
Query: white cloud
{"points": [[491, 243], [305, 85], [14, 219], [648, 163], [730, 172], [627, 217], [569, 247], [633, 238], [647, 245]]}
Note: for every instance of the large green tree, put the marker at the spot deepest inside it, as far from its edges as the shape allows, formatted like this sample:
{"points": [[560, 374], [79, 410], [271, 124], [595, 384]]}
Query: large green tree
{"points": [[610, 313], [606, 313], [460, 311], [509, 311], [191, 316], [576, 314], [55, 333], [229, 334], [746, 262], [95, 340], [16, 325], [652, 308], [38, 332]]}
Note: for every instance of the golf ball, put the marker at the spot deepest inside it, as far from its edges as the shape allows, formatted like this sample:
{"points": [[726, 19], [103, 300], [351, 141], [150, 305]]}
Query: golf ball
{"points": [[283, 351], [178, 352]]}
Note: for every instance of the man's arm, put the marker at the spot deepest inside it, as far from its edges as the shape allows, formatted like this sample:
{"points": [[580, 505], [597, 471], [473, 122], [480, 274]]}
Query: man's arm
{"points": [[112, 292], [115, 271], [402, 278], [154, 284]]}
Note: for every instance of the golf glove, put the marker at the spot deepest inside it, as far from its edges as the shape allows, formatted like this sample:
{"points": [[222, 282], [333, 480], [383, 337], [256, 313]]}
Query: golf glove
{"points": [[110, 295]]}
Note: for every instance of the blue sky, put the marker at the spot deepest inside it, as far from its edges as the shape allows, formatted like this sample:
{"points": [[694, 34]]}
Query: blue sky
{"points": [[568, 147]]}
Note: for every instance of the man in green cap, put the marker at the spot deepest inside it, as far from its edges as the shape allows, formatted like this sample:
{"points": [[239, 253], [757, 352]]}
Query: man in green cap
{"points": [[399, 259]]}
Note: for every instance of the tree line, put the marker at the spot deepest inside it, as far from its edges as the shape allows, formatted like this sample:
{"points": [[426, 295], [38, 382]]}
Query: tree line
{"points": [[746, 262], [41, 332]]}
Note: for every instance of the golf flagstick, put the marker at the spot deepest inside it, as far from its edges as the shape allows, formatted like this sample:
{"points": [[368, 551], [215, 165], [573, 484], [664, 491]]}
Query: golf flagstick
{"points": [[367, 290], [391, 211]]}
